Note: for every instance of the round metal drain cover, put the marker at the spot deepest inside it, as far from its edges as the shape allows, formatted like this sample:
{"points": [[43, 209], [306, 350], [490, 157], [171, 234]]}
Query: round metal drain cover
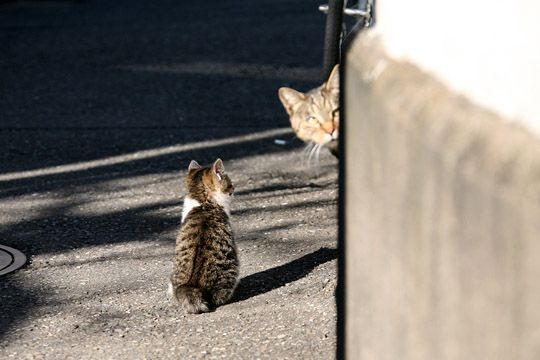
{"points": [[10, 259]]}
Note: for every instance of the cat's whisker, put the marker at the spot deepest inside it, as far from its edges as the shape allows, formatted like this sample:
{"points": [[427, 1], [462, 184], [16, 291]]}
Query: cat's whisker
{"points": [[315, 113], [308, 154], [308, 148], [312, 152], [318, 155], [306, 151]]}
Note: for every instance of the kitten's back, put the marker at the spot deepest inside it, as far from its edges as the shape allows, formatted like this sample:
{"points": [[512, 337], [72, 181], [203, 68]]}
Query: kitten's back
{"points": [[206, 264]]}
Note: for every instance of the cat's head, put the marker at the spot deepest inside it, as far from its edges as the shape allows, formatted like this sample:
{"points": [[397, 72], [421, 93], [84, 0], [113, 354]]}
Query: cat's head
{"points": [[204, 183], [314, 115]]}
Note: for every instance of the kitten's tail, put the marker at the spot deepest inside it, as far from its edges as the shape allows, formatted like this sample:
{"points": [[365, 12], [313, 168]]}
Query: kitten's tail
{"points": [[192, 299]]}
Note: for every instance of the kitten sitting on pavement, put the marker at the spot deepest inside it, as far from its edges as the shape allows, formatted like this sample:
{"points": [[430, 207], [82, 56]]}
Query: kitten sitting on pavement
{"points": [[205, 270]]}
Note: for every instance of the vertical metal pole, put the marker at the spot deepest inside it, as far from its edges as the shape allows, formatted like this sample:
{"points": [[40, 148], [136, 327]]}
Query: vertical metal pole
{"points": [[332, 36]]}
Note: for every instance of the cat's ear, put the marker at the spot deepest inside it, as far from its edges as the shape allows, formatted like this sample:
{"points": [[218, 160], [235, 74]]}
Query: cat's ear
{"points": [[289, 98], [332, 84], [193, 165], [218, 169]]}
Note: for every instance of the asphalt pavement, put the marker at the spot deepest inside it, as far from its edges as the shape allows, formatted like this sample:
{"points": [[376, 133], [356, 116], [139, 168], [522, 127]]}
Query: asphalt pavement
{"points": [[102, 107]]}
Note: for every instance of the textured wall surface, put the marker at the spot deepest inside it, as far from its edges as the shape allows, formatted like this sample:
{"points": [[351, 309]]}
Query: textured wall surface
{"points": [[442, 220], [481, 48]]}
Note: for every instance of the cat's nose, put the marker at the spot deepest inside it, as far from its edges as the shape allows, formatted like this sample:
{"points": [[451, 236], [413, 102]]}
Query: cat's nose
{"points": [[329, 129]]}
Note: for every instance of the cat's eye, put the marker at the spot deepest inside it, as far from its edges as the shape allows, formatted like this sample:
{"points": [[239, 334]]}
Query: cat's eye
{"points": [[335, 113], [312, 120]]}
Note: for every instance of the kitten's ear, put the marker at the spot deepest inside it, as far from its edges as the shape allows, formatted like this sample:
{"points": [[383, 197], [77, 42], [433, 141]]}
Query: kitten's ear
{"points": [[218, 169], [289, 98], [332, 84], [193, 165]]}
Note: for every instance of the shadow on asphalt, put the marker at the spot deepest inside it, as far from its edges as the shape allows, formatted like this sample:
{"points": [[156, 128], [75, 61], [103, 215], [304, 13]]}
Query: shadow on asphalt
{"points": [[271, 279], [86, 80], [70, 93], [15, 301], [168, 163]]}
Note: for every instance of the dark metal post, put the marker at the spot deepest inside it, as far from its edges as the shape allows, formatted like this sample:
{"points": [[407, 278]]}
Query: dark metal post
{"points": [[332, 36]]}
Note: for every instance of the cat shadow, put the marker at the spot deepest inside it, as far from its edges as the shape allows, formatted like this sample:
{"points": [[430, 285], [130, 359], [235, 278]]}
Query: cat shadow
{"points": [[276, 277]]}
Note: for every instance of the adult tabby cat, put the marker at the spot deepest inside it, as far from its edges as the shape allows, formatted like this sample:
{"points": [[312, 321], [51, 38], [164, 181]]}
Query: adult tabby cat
{"points": [[205, 268], [314, 115]]}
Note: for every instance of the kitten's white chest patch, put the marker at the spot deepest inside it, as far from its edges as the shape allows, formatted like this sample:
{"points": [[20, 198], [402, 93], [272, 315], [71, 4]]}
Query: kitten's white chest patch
{"points": [[189, 204], [223, 200]]}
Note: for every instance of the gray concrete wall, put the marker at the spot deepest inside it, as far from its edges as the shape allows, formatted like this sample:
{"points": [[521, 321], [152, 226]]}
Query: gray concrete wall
{"points": [[442, 220], [481, 48]]}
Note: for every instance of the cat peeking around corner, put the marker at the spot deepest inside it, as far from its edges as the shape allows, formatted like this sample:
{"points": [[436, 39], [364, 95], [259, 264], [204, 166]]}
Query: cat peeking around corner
{"points": [[314, 115], [205, 266]]}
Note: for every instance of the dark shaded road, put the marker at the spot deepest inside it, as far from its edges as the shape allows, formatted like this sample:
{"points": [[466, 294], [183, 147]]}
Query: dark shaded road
{"points": [[82, 80], [102, 106]]}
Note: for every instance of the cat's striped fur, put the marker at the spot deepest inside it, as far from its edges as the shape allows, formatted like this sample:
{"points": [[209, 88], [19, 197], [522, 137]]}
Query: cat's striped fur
{"points": [[205, 269], [314, 115]]}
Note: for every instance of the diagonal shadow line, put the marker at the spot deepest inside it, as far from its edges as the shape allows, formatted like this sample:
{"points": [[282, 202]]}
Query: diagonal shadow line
{"points": [[142, 155], [271, 279]]}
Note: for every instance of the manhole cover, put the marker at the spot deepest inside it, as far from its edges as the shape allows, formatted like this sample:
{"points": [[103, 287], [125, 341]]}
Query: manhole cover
{"points": [[10, 259]]}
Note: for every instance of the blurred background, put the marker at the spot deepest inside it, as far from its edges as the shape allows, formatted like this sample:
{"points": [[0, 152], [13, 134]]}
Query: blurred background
{"points": [[442, 182]]}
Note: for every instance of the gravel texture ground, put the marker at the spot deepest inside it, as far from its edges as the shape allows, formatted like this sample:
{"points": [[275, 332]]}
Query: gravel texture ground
{"points": [[102, 106]]}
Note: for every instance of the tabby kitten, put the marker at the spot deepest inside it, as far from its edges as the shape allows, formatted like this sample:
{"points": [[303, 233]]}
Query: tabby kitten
{"points": [[314, 115], [205, 269]]}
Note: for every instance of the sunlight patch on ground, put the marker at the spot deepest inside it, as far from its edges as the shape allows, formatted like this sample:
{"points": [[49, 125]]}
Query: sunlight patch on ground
{"points": [[30, 205], [141, 155]]}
